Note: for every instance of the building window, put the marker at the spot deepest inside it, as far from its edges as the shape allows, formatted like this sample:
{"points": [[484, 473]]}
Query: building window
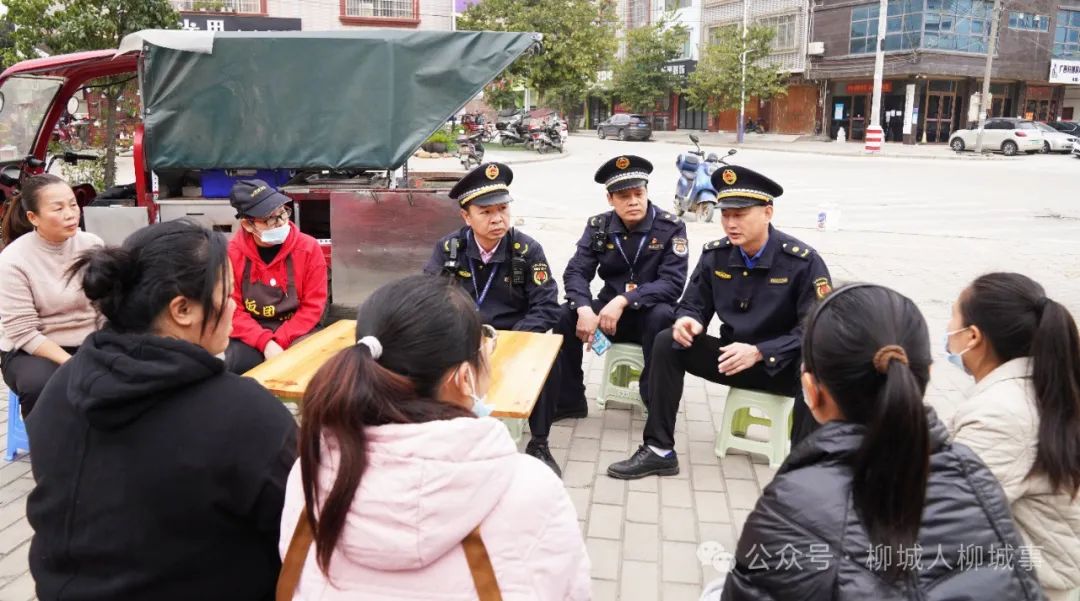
{"points": [[1067, 34], [676, 4], [220, 6], [960, 25], [785, 32], [638, 12], [903, 27], [1028, 21], [717, 31], [382, 9]]}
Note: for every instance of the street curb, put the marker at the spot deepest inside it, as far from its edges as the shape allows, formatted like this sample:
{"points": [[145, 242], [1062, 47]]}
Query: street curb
{"points": [[884, 154], [951, 156]]}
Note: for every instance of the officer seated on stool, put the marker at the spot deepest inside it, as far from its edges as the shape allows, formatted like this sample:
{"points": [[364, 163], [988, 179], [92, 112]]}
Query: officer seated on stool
{"points": [[761, 283], [504, 271], [279, 277], [641, 254]]}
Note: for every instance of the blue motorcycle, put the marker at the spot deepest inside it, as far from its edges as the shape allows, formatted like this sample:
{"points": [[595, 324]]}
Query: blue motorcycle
{"points": [[694, 193]]}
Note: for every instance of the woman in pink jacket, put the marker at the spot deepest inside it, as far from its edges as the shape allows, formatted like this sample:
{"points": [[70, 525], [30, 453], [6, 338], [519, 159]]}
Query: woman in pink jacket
{"points": [[399, 465]]}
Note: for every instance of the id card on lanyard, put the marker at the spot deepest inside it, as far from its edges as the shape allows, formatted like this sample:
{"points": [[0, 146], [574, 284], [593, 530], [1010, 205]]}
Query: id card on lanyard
{"points": [[631, 284], [480, 296]]}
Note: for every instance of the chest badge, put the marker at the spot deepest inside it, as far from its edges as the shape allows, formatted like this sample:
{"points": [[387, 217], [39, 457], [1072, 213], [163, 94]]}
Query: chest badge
{"points": [[680, 246], [778, 280], [464, 274], [655, 244], [723, 275]]}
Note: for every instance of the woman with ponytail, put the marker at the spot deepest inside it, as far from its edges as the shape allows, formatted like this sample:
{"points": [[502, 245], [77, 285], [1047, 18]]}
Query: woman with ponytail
{"points": [[876, 504], [158, 474], [42, 319], [401, 478], [1023, 415]]}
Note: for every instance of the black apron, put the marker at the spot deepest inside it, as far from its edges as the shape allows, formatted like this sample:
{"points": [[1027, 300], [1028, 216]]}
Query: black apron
{"points": [[269, 305]]}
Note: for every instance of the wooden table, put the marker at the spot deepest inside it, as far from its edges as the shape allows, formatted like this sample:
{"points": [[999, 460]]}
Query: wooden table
{"points": [[520, 366]]}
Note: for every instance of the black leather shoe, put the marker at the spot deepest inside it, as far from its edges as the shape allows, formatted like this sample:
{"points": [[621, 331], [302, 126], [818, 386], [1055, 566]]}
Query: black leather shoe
{"points": [[644, 463], [571, 413], [540, 450]]}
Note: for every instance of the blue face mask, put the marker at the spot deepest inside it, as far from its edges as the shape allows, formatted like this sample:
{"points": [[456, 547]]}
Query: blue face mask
{"points": [[955, 358], [480, 408], [275, 236]]}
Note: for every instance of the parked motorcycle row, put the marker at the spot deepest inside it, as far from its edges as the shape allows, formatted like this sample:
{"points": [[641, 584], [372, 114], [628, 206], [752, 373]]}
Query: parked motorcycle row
{"points": [[544, 136]]}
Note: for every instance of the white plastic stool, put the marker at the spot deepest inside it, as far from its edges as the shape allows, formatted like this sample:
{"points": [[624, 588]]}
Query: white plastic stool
{"points": [[623, 364], [737, 419]]}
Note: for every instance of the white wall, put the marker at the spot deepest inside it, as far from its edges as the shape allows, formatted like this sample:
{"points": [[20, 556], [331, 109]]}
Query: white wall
{"points": [[1072, 98]]}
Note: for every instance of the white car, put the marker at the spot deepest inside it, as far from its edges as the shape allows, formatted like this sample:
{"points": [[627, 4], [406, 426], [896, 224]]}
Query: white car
{"points": [[1010, 136], [1076, 149], [1054, 140]]}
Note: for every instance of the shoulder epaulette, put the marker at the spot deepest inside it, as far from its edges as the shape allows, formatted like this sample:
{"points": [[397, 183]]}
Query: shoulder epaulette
{"points": [[721, 243], [796, 249], [668, 217]]}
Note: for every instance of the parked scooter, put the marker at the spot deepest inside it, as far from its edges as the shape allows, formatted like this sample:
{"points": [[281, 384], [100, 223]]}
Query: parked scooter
{"points": [[471, 149], [549, 138], [514, 132], [754, 127], [695, 193]]}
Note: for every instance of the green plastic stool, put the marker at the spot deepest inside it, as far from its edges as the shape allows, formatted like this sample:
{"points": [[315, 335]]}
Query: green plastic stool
{"points": [[737, 420], [623, 364], [516, 427]]}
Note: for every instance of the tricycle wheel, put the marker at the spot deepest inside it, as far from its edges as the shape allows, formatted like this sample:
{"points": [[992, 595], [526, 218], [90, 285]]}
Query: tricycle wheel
{"points": [[504, 141], [705, 212]]}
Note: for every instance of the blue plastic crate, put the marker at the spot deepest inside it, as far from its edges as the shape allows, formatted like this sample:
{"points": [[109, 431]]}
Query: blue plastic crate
{"points": [[217, 183]]}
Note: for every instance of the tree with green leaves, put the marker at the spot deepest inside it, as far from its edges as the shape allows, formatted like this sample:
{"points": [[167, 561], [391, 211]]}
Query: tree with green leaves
{"points": [[500, 94], [640, 79], [716, 82], [579, 41], [63, 26]]}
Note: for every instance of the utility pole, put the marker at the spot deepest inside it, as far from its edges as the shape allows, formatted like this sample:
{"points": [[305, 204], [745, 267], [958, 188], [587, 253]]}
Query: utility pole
{"points": [[994, 18], [874, 132], [742, 59]]}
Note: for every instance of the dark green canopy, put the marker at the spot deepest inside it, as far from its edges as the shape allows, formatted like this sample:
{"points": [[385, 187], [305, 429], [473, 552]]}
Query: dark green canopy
{"points": [[350, 99]]}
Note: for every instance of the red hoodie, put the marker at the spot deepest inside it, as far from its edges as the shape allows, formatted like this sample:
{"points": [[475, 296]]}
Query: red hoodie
{"points": [[309, 266]]}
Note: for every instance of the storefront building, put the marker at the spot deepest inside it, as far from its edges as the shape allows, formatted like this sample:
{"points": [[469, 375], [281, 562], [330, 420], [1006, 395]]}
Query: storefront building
{"points": [[935, 56]]}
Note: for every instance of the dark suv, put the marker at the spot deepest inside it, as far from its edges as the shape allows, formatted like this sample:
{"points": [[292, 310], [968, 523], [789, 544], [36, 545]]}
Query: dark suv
{"points": [[625, 127]]}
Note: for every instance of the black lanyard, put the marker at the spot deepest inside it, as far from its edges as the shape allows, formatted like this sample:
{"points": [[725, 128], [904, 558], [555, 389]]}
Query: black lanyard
{"points": [[641, 245]]}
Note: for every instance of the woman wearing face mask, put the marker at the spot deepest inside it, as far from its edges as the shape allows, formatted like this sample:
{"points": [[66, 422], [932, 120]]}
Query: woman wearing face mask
{"points": [[1023, 415], [877, 504], [280, 277], [43, 320], [158, 474], [403, 482]]}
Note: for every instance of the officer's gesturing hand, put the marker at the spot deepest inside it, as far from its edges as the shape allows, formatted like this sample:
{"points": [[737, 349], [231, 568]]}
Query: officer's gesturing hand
{"points": [[685, 330], [610, 314], [587, 322], [737, 357]]}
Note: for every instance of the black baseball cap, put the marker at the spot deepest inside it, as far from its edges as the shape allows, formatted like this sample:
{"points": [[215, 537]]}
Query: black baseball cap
{"points": [[255, 198]]}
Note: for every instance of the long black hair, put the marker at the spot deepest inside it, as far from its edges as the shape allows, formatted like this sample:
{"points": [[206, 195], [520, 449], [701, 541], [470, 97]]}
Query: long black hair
{"points": [[132, 284], [28, 198], [1018, 320], [426, 326], [869, 346]]}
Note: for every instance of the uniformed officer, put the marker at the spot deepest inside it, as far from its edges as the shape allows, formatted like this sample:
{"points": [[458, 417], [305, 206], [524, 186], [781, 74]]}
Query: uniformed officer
{"points": [[504, 271], [641, 254], [761, 283]]}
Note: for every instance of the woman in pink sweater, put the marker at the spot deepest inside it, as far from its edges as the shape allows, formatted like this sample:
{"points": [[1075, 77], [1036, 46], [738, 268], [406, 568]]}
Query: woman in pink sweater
{"points": [[44, 317], [398, 468]]}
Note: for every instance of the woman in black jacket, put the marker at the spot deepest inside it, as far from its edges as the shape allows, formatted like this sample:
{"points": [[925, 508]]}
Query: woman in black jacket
{"points": [[877, 504], [158, 474]]}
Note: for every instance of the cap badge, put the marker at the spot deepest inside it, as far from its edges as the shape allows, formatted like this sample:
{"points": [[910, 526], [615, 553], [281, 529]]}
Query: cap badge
{"points": [[257, 191], [622, 163], [729, 177], [492, 171]]}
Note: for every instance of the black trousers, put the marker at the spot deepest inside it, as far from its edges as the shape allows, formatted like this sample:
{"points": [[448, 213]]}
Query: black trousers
{"points": [[241, 357], [637, 326], [670, 366], [26, 375]]}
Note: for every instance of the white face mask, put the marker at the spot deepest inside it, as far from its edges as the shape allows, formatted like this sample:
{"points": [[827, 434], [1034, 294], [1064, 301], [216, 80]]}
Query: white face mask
{"points": [[479, 407], [275, 236]]}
